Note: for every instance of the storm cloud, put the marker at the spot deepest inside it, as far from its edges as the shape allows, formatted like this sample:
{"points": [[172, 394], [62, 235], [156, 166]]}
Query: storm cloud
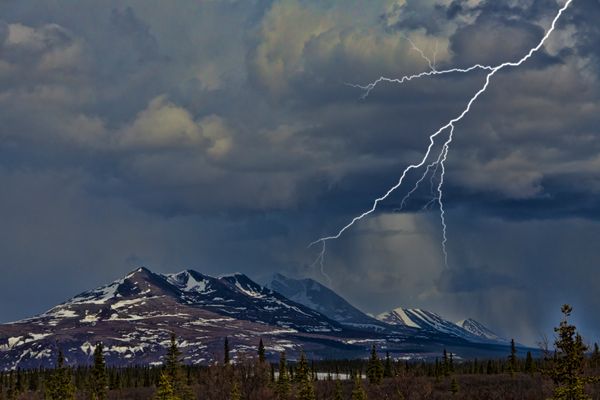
{"points": [[223, 136]]}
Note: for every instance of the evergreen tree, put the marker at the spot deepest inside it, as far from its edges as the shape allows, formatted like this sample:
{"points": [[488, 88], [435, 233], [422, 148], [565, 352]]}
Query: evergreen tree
{"points": [[60, 384], [98, 381], [529, 363], [173, 372], [512, 358], [358, 392], [171, 361], [596, 356], [374, 368], [261, 352], [226, 351], [445, 364], [388, 370], [166, 389], [283, 381], [454, 386], [306, 390], [567, 369]]}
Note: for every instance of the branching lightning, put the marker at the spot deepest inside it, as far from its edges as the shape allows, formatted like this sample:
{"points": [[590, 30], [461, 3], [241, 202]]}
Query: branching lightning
{"points": [[443, 154]]}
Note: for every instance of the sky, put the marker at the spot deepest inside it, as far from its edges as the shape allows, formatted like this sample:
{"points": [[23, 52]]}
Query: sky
{"points": [[226, 136]]}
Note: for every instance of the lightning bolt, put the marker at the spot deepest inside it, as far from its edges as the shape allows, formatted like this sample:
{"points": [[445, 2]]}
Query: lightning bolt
{"points": [[449, 126]]}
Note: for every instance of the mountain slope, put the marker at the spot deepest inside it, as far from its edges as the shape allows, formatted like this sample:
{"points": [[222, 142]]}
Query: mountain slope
{"points": [[135, 316], [324, 300], [480, 330], [431, 322], [239, 297]]}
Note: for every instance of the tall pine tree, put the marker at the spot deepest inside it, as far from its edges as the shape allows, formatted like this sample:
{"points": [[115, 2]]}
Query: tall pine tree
{"points": [[306, 390], [60, 384], [358, 392], [374, 368], [512, 358], [261, 351], [226, 351], [596, 356], [165, 389], [529, 368], [388, 370], [283, 380], [172, 376], [98, 385], [567, 367]]}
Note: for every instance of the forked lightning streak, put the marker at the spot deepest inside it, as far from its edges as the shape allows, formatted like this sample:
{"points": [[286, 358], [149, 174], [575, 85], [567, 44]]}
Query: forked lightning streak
{"points": [[443, 154]]}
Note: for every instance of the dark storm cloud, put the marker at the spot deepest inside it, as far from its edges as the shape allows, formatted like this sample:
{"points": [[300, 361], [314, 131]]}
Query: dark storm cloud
{"points": [[222, 135]]}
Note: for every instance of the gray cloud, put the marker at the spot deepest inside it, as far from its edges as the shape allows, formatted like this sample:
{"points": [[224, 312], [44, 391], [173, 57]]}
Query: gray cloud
{"points": [[222, 135]]}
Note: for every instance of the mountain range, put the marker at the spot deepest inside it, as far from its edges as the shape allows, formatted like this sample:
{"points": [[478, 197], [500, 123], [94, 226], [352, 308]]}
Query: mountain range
{"points": [[135, 316]]}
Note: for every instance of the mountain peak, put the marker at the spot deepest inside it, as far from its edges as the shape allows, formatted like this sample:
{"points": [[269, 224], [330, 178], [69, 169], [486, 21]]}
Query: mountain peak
{"points": [[317, 296], [480, 330]]}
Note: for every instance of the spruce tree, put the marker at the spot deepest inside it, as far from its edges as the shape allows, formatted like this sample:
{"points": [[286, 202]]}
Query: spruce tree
{"points": [[512, 358], [226, 351], [166, 388], [596, 356], [567, 367], [98, 381], [261, 352], [388, 370], [454, 386], [283, 380], [171, 361], [173, 372], [374, 368], [306, 390], [358, 392], [60, 385], [529, 363], [445, 364]]}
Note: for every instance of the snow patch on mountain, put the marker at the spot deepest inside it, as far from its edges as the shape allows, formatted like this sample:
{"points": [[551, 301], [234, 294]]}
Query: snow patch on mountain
{"points": [[398, 317], [480, 330]]}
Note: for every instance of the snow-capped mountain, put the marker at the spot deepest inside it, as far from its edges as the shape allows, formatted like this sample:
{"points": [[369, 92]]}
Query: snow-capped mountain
{"points": [[472, 330], [239, 297], [134, 317], [478, 329], [324, 300]]}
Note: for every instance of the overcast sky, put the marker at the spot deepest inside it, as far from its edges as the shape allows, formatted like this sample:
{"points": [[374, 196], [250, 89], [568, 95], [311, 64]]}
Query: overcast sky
{"points": [[222, 136]]}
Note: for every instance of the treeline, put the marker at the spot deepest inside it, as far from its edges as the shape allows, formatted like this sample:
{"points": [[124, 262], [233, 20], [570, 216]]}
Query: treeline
{"points": [[566, 372]]}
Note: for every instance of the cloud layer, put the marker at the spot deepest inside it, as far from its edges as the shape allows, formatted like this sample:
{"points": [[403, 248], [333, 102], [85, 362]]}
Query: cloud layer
{"points": [[222, 135]]}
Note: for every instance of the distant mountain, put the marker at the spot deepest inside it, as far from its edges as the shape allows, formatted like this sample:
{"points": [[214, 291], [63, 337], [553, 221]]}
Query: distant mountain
{"points": [[478, 329], [134, 317], [424, 320], [239, 297], [324, 300]]}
